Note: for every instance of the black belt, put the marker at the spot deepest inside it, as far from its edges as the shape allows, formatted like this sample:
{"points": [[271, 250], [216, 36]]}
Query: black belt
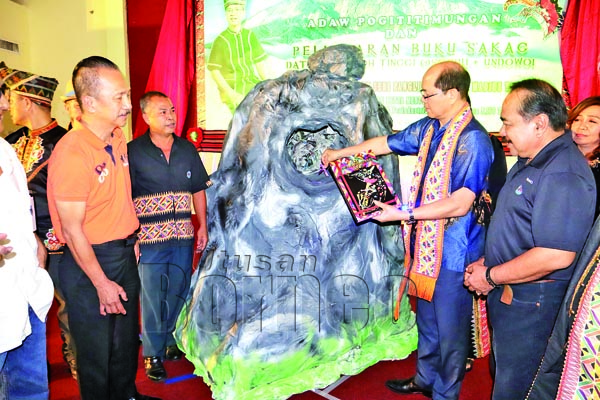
{"points": [[128, 241]]}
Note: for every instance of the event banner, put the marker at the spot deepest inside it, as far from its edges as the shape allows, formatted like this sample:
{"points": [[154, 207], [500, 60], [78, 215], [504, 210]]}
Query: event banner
{"points": [[498, 42]]}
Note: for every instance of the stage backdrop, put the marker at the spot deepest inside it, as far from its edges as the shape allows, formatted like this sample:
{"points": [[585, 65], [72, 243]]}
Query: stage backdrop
{"points": [[498, 42]]}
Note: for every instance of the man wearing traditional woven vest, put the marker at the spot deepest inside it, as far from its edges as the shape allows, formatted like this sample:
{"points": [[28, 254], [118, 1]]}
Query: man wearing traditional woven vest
{"points": [[442, 233], [544, 214], [167, 180]]}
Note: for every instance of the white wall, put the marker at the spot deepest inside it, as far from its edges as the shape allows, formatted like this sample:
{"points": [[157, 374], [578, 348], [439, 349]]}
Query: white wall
{"points": [[53, 35], [14, 28]]}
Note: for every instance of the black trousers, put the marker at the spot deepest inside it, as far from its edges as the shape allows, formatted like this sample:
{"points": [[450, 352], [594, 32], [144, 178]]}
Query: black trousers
{"points": [[107, 346]]}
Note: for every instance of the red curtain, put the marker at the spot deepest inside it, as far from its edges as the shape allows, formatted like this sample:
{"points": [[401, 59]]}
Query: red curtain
{"points": [[580, 50], [173, 67]]}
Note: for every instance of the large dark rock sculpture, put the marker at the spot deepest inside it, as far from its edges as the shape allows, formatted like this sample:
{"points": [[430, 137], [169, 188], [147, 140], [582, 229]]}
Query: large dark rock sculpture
{"points": [[291, 293]]}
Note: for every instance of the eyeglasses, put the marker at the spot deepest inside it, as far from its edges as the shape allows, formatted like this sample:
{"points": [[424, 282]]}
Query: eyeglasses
{"points": [[425, 97], [428, 96]]}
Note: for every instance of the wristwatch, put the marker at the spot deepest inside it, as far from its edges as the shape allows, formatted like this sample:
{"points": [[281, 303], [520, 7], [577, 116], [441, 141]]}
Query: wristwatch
{"points": [[489, 279], [411, 217]]}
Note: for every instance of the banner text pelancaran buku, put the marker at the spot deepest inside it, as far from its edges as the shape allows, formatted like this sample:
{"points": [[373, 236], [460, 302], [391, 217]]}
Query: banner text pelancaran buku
{"points": [[498, 42]]}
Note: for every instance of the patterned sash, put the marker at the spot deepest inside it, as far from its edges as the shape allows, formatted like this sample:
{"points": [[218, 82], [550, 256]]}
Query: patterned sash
{"points": [[581, 372], [430, 233]]}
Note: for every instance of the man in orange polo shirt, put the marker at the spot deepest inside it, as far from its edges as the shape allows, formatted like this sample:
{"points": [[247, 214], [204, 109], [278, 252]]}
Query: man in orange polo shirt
{"points": [[89, 193]]}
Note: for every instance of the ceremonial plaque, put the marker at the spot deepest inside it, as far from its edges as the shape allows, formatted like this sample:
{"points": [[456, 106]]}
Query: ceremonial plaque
{"points": [[361, 180]]}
